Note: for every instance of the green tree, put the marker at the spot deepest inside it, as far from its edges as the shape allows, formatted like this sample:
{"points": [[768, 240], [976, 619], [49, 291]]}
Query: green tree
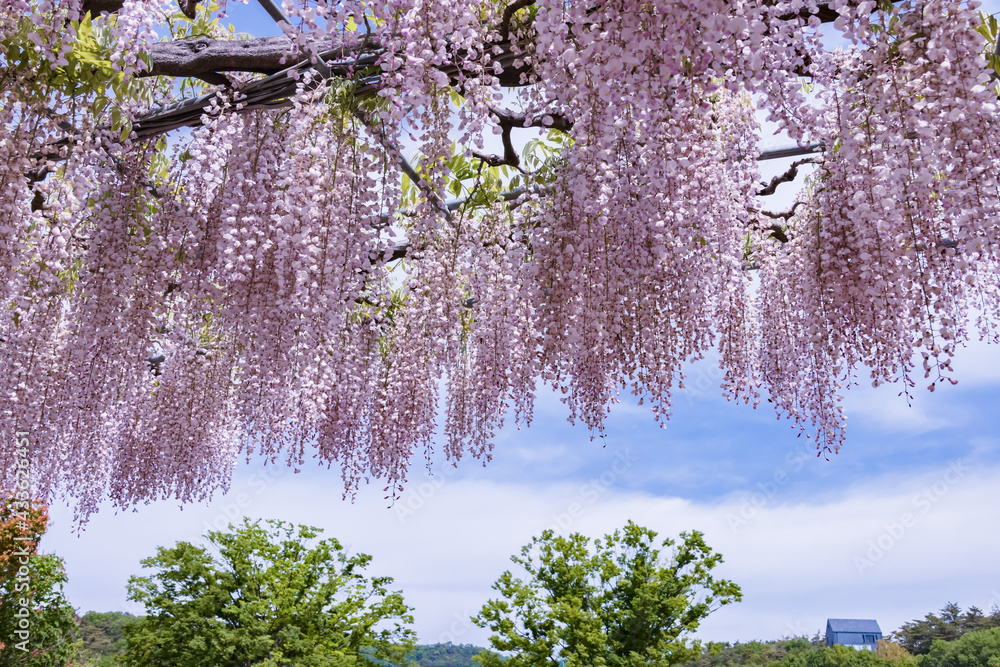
{"points": [[836, 656], [444, 655], [265, 597], [980, 648], [801, 652], [749, 653], [893, 652], [37, 624], [623, 603], [947, 625], [102, 637]]}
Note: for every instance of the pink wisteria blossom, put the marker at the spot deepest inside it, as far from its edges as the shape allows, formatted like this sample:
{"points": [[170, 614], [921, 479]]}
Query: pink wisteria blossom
{"points": [[174, 302]]}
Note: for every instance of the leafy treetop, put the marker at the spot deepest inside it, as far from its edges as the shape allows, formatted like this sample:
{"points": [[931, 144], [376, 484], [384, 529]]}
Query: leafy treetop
{"points": [[264, 594], [623, 603], [947, 625], [38, 626]]}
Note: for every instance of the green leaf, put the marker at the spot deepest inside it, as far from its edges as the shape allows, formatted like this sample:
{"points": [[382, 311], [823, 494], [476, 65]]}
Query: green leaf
{"points": [[258, 582]]}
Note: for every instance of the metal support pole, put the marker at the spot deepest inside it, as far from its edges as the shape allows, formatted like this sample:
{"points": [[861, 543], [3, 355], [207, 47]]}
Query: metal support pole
{"points": [[275, 11], [279, 16], [794, 151]]}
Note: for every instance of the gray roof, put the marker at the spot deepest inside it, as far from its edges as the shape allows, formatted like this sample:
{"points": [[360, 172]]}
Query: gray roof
{"points": [[853, 625]]}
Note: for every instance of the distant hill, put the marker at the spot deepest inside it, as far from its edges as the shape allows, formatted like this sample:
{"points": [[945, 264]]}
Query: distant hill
{"points": [[445, 655], [757, 653], [103, 638]]}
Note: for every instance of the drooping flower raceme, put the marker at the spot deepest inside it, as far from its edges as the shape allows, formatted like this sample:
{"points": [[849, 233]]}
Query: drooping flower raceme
{"points": [[236, 288]]}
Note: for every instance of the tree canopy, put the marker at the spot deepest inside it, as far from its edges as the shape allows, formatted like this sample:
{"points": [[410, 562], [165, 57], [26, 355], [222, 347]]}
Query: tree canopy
{"points": [[279, 278], [980, 647], [801, 652], [264, 595], [38, 626], [625, 602], [947, 625], [102, 638]]}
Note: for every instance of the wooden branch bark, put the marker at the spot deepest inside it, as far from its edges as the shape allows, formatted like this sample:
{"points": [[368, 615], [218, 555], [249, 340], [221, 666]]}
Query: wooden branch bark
{"points": [[508, 15], [263, 55], [277, 57], [511, 119], [508, 120], [783, 215], [95, 7], [209, 58], [790, 175]]}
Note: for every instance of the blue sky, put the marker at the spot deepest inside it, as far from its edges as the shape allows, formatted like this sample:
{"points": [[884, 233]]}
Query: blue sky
{"points": [[807, 538], [898, 523]]}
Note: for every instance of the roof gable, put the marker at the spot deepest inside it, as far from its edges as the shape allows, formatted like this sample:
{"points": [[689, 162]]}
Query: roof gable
{"points": [[853, 625]]}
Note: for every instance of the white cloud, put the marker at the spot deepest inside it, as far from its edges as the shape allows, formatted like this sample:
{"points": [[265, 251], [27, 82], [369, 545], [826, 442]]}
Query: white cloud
{"points": [[884, 409], [797, 563], [977, 367], [977, 364]]}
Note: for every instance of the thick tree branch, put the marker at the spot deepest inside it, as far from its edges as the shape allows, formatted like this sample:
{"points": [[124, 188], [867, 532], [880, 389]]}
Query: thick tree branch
{"points": [[824, 12], [192, 57], [393, 252], [204, 58], [790, 175], [783, 215], [508, 15], [506, 118], [268, 55], [263, 55], [95, 7], [499, 161]]}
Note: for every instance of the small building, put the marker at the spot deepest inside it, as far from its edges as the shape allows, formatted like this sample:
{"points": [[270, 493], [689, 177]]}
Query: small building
{"points": [[860, 633]]}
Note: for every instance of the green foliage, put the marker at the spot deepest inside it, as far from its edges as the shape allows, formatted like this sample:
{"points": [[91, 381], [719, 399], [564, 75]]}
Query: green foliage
{"points": [[87, 77], [893, 652], [989, 29], [800, 652], [264, 596], [621, 604], [838, 656], [102, 637], [979, 648], [479, 185], [37, 624], [753, 652], [51, 623], [544, 156], [444, 655], [22, 524], [948, 625]]}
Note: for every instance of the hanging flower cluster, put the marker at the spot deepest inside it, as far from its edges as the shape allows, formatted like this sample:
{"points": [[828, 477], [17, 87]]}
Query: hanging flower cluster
{"points": [[898, 240], [171, 304]]}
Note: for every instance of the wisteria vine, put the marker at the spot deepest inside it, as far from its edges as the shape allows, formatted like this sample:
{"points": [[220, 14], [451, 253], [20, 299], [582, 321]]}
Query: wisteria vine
{"points": [[172, 303]]}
